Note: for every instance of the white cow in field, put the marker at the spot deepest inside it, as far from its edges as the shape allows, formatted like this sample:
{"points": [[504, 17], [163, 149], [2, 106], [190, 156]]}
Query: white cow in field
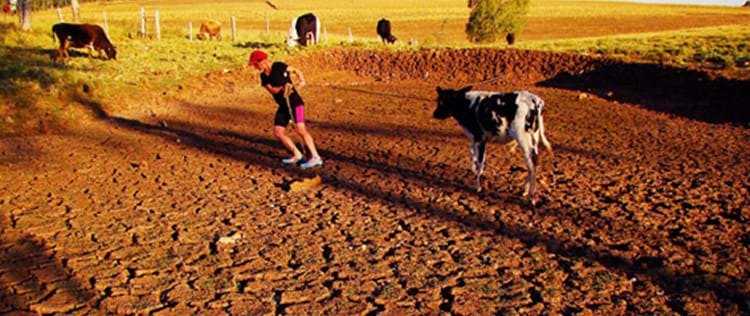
{"points": [[304, 30]]}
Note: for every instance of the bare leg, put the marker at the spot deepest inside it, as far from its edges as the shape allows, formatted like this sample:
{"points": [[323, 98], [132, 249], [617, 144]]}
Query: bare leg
{"points": [[278, 131], [307, 139]]}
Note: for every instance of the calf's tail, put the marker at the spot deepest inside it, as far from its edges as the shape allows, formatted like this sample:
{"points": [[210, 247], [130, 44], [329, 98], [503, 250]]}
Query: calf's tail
{"points": [[543, 138], [539, 124]]}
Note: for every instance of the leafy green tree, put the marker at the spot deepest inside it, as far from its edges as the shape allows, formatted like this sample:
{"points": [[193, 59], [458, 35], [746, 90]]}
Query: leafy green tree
{"points": [[491, 19]]}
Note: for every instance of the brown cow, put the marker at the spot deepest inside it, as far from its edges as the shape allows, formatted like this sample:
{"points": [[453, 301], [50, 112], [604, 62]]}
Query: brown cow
{"points": [[82, 36], [209, 30]]}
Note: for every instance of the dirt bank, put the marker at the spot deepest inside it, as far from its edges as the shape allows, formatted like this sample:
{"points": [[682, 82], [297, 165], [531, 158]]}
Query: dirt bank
{"points": [[685, 92]]}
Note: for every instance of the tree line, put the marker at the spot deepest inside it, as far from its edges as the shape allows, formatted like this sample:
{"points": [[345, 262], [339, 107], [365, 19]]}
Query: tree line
{"points": [[488, 22]]}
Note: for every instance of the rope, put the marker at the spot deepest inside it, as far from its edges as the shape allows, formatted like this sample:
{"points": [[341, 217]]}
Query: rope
{"points": [[288, 88], [395, 95], [485, 81]]}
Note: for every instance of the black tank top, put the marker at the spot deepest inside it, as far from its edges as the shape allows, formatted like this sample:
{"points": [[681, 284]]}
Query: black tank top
{"points": [[280, 77]]}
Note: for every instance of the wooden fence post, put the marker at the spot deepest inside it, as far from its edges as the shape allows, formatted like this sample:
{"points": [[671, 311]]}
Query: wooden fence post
{"points": [[156, 21], [106, 25], [325, 35], [59, 14], [190, 30], [351, 38], [143, 22], [76, 10], [234, 30], [24, 14], [268, 24]]}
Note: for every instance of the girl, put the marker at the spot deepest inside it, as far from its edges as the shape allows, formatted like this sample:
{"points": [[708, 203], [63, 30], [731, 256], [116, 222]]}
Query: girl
{"points": [[277, 80]]}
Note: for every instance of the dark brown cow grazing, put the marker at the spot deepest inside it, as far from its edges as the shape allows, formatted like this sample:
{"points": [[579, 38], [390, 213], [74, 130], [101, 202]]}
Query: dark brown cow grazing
{"points": [[384, 31], [209, 30], [82, 36]]}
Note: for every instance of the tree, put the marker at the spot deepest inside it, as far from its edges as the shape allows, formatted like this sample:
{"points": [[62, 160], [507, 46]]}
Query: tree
{"points": [[491, 19], [24, 14]]}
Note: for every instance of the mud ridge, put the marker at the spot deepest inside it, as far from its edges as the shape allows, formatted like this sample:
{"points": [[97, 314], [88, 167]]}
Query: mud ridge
{"points": [[683, 92]]}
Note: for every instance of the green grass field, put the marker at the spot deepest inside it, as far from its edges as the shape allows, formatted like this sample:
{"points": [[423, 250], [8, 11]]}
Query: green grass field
{"points": [[722, 47], [695, 36]]}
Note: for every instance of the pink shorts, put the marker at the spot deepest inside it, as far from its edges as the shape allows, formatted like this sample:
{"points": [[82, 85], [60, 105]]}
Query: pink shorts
{"points": [[299, 114]]}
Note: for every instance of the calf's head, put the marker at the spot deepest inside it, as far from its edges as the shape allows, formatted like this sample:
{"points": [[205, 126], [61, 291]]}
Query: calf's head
{"points": [[292, 38], [111, 52], [448, 101]]}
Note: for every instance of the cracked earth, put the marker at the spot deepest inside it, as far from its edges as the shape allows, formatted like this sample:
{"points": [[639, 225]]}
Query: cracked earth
{"points": [[177, 204]]}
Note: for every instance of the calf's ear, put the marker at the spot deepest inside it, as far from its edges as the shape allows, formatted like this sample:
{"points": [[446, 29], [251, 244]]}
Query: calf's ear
{"points": [[439, 90]]}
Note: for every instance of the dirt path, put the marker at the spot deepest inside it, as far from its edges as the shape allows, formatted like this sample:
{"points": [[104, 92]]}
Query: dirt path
{"points": [[179, 205]]}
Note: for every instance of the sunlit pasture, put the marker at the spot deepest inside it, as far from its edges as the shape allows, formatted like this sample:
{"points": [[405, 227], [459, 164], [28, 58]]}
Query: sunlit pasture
{"points": [[681, 35]]}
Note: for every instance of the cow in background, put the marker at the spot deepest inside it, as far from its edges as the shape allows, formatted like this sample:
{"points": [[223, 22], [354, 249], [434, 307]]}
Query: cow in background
{"points": [[304, 30], [209, 30], [384, 31], [87, 36]]}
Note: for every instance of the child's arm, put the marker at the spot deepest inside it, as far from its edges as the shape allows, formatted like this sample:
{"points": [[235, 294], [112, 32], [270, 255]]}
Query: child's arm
{"points": [[298, 73], [272, 89]]}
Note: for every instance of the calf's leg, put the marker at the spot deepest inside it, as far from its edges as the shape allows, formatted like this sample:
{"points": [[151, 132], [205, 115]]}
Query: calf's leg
{"points": [[480, 163], [59, 54], [66, 55], [473, 149], [524, 141]]}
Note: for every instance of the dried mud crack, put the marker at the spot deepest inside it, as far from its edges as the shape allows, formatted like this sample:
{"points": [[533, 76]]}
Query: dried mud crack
{"points": [[180, 205]]}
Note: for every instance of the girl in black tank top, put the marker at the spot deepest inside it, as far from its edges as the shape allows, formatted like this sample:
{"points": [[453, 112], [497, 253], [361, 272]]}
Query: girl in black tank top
{"points": [[276, 78]]}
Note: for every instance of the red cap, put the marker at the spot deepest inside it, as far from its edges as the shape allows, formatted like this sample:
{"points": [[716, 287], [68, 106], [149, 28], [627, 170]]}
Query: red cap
{"points": [[256, 57]]}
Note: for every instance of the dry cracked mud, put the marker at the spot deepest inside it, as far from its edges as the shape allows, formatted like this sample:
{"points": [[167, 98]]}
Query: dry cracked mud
{"points": [[177, 204]]}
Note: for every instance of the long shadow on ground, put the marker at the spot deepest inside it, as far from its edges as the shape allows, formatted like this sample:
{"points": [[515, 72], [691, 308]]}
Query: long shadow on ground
{"points": [[643, 266], [682, 92], [378, 130], [34, 280]]}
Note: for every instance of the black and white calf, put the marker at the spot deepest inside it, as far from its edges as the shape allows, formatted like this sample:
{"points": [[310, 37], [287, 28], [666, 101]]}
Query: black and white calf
{"points": [[504, 117], [304, 30]]}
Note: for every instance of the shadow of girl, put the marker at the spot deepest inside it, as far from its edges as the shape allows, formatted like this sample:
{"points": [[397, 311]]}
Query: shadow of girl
{"points": [[32, 279]]}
